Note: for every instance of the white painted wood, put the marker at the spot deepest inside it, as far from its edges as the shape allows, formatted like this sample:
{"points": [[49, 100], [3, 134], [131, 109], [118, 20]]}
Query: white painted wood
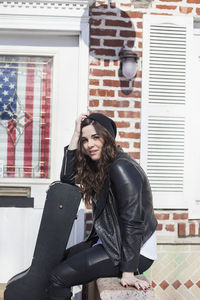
{"points": [[165, 99]]}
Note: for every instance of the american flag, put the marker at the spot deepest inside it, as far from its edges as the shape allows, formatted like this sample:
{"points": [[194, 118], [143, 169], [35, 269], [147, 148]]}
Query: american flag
{"points": [[25, 93]]}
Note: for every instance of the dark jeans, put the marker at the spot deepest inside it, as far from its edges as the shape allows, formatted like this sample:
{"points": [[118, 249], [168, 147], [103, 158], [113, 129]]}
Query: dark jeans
{"points": [[82, 264]]}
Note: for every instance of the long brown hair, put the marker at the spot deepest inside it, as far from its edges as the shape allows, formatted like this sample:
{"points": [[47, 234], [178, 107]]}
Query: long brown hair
{"points": [[91, 174]]}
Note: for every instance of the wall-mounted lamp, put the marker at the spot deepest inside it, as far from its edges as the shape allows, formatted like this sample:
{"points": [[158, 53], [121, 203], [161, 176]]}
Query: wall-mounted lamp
{"points": [[128, 63]]}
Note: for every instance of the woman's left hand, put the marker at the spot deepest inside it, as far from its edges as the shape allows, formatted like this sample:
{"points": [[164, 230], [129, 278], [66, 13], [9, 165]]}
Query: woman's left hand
{"points": [[128, 279]]}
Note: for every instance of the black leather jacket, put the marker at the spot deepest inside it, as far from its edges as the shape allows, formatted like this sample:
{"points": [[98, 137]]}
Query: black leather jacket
{"points": [[123, 214]]}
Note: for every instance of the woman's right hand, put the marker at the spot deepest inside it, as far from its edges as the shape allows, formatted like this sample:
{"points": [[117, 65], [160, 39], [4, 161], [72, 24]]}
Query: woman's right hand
{"points": [[74, 141], [80, 118]]}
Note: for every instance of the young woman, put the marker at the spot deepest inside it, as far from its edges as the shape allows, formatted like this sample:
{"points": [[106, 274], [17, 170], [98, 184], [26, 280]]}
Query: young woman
{"points": [[122, 241]]}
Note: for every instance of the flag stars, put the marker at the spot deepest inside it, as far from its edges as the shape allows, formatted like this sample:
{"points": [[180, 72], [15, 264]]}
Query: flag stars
{"points": [[5, 93], [1, 85], [12, 73], [1, 73], [11, 86], [5, 79]]}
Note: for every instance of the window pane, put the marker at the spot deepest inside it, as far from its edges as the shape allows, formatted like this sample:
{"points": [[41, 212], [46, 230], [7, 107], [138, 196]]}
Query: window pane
{"points": [[25, 98]]}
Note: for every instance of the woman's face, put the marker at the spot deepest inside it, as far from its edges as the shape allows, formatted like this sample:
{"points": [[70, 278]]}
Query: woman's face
{"points": [[92, 143]]}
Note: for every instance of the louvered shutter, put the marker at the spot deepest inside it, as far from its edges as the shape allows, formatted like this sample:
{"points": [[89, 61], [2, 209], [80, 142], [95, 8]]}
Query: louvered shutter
{"points": [[164, 124]]}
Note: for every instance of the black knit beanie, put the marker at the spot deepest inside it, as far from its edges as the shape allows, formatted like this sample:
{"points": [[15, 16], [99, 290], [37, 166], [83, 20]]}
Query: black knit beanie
{"points": [[106, 122]]}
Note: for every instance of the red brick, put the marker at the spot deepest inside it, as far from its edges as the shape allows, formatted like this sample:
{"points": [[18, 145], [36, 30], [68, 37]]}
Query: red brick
{"points": [[102, 32], [94, 42], [176, 284], [193, 1], [113, 43], [95, 22], [192, 229], [97, 72], [116, 63], [94, 103], [88, 227], [159, 227], [94, 82], [123, 144], [116, 103], [127, 33], [106, 63], [140, 45], [137, 125], [125, 4], [113, 5], [129, 114], [181, 216], [99, 13], [88, 216], [188, 284], [122, 124], [185, 10], [162, 216], [115, 83], [139, 25], [118, 23], [137, 104], [129, 93], [139, 74], [137, 84], [135, 155], [102, 93], [169, 227], [181, 229], [166, 6], [129, 135], [139, 35], [130, 43], [198, 11], [164, 284], [136, 145], [103, 51], [131, 14]]}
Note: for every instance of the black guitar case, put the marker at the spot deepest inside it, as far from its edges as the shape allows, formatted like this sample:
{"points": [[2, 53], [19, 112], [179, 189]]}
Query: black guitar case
{"points": [[59, 213]]}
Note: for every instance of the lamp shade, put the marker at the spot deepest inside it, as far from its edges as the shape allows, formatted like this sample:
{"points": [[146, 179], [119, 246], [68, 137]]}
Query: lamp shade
{"points": [[129, 68], [128, 63]]}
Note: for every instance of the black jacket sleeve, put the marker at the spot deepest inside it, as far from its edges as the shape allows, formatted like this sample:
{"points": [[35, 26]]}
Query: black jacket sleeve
{"points": [[68, 170], [126, 183]]}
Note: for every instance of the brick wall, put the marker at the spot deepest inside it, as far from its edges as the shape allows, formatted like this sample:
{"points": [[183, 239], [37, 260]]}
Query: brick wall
{"points": [[115, 24]]}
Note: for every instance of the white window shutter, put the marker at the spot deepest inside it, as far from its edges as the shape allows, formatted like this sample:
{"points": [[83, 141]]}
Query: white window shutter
{"points": [[165, 98]]}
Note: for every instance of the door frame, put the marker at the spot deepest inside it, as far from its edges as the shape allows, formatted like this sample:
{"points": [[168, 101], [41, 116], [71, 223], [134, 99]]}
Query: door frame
{"points": [[74, 21]]}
